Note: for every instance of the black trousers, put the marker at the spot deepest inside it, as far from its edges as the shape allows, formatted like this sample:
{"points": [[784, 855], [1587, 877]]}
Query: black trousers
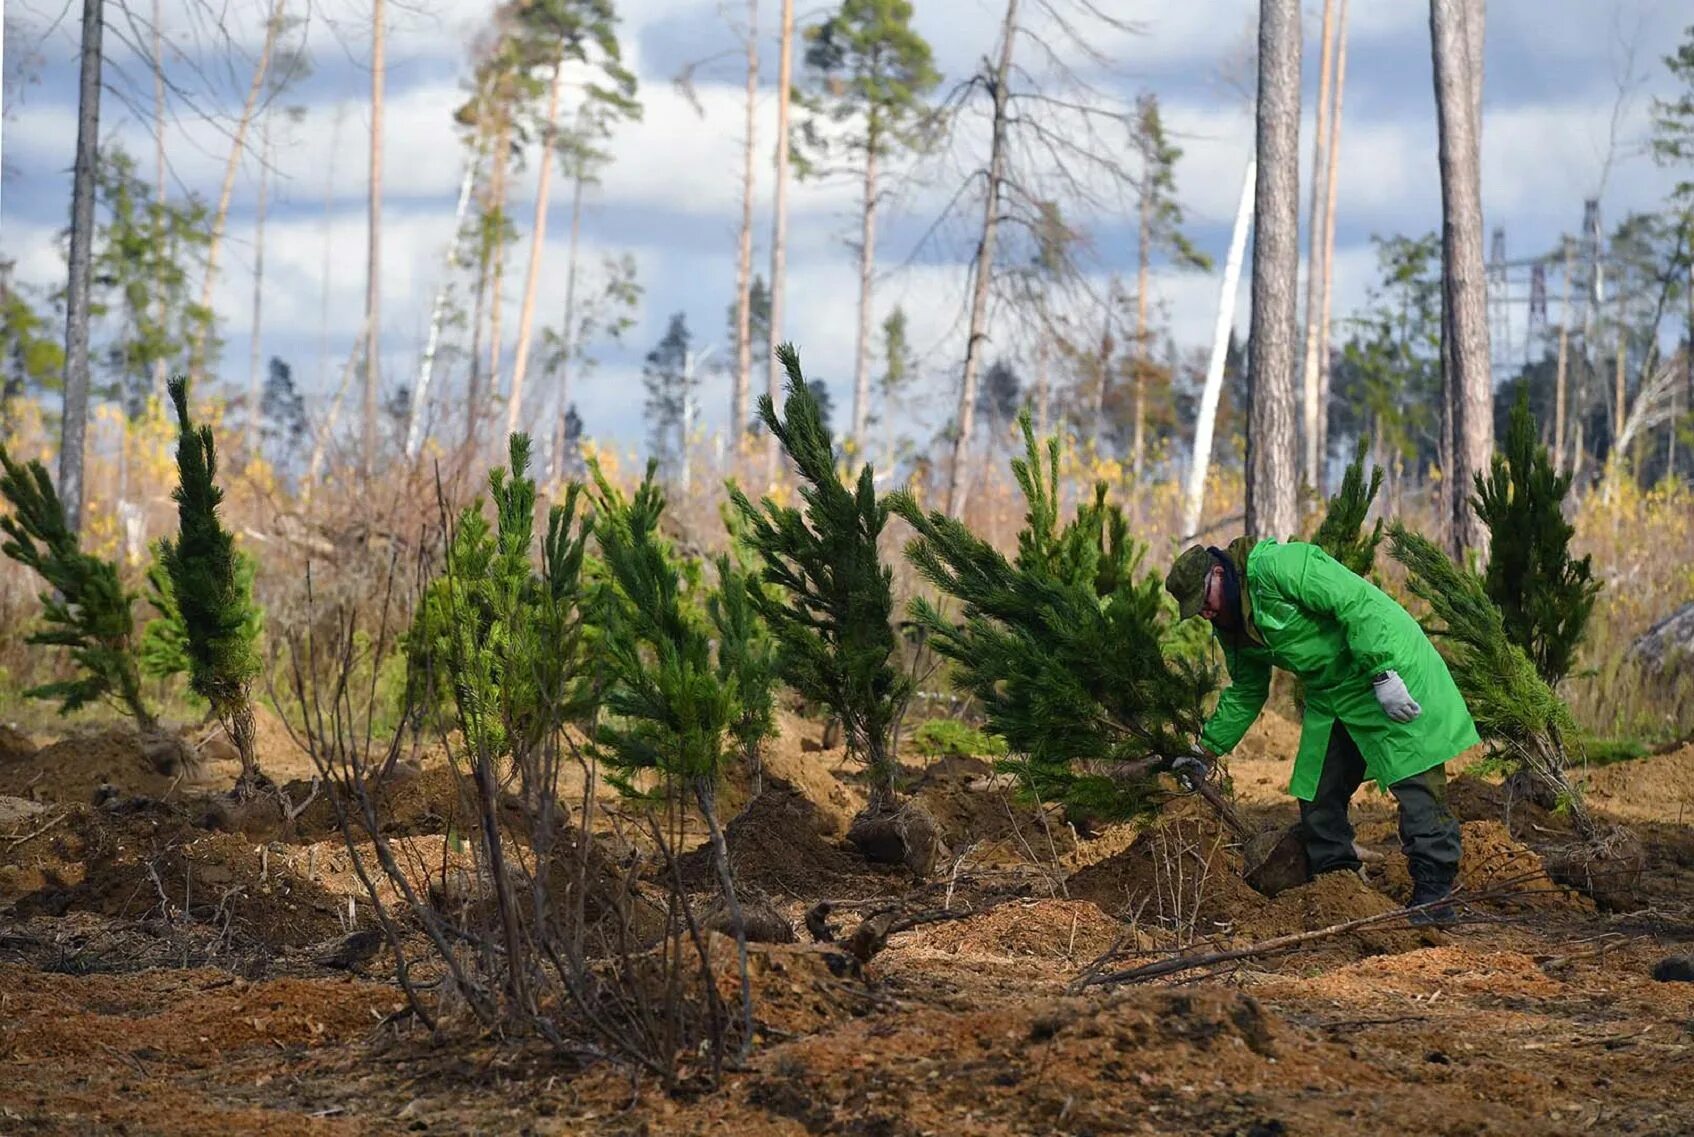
{"points": [[1429, 834]]}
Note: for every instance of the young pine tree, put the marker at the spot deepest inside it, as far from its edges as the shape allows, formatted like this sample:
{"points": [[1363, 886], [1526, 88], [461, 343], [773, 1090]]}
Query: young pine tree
{"points": [[220, 631], [500, 643], [672, 707], [1063, 646], [85, 607], [1545, 595], [1517, 712], [830, 601], [1342, 534]]}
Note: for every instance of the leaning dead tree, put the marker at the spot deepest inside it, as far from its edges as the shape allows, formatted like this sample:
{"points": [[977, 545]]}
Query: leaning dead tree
{"points": [[1053, 146]]}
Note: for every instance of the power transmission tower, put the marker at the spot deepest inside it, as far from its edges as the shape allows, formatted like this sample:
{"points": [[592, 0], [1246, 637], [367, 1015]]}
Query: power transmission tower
{"points": [[1535, 342], [1499, 306]]}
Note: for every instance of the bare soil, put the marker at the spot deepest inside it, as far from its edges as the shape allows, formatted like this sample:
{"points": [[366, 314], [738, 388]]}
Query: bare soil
{"points": [[171, 967]]}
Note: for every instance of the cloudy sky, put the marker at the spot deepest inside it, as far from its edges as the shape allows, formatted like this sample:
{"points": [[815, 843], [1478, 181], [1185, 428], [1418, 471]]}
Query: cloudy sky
{"points": [[1560, 74]]}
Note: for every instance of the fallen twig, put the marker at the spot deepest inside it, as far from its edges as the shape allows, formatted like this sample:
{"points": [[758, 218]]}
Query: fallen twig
{"points": [[34, 833]]}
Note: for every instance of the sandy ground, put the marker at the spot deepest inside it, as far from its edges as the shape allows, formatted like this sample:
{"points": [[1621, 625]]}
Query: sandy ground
{"points": [[166, 970]]}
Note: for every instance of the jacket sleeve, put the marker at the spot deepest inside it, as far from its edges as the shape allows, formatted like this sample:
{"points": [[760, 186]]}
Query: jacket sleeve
{"points": [[1241, 702], [1312, 579]]}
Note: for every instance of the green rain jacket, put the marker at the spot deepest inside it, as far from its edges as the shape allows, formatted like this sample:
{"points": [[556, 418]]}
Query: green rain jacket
{"points": [[1309, 614]]}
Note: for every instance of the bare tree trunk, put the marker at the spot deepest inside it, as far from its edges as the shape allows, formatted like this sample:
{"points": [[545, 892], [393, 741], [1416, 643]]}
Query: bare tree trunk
{"points": [[474, 385], [373, 254], [1334, 172], [255, 382], [197, 350], [438, 310], [1043, 385], [159, 194], [740, 400], [74, 423], [1561, 368], [779, 221], [502, 171], [1455, 29], [329, 248], [1316, 215], [867, 267], [532, 278], [1097, 420], [568, 334], [1203, 425], [977, 334], [1139, 436], [1272, 469]]}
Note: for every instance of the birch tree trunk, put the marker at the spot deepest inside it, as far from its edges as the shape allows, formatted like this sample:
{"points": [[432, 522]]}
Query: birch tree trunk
{"points": [[977, 333], [197, 349], [1455, 32], [1272, 469], [1329, 210], [1207, 418], [538, 238], [373, 253], [779, 222], [867, 267], [74, 422], [740, 400], [438, 310], [1316, 217]]}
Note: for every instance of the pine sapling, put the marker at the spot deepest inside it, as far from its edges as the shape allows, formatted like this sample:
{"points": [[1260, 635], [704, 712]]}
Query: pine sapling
{"points": [[220, 631], [85, 607], [672, 708], [1065, 646], [830, 601], [1517, 712], [1545, 595]]}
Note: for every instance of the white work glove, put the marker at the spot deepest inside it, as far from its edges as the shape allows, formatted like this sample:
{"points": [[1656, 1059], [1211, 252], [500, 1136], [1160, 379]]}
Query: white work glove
{"points": [[1397, 702], [1193, 768]]}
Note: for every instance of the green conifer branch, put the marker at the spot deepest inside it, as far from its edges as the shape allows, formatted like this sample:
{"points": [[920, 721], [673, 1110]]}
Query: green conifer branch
{"points": [[84, 607], [1341, 533]]}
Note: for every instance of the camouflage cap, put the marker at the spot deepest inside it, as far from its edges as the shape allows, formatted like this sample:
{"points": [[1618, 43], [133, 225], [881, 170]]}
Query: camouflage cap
{"points": [[1186, 580]]}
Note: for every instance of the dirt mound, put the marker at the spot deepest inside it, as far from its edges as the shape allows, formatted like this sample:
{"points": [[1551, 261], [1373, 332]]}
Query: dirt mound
{"points": [[1182, 872], [1004, 829], [1493, 860], [409, 803], [220, 878], [1659, 787], [1335, 898], [778, 845], [72, 769], [1041, 929], [14, 743], [813, 773]]}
